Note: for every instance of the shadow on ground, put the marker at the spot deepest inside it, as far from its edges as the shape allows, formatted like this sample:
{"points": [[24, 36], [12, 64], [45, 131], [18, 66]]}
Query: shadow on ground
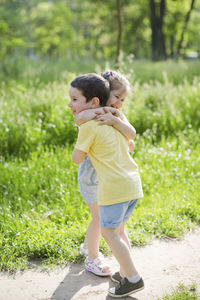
{"points": [[83, 285]]}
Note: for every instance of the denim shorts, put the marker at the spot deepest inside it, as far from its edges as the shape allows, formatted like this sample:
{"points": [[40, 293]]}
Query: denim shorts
{"points": [[87, 181], [114, 215]]}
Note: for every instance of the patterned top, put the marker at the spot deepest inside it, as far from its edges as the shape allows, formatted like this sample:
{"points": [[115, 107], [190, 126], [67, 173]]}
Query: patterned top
{"points": [[88, 181]]}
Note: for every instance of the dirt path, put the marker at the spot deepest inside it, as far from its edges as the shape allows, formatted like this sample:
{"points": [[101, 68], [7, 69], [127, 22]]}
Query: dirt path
{"points": [[163, 265]]}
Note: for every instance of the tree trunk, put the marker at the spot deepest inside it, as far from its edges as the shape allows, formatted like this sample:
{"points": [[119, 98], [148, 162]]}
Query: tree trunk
{"points": [[30, 52], [172, 40], [187, 18], [157, 12], [119, 37]]}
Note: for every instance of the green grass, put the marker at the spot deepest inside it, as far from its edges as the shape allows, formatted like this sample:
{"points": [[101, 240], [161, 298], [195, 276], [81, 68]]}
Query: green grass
{"points": [[48, 69], [38, 115], [173, 71], [42, 215], [182, 293], [164, 109]]}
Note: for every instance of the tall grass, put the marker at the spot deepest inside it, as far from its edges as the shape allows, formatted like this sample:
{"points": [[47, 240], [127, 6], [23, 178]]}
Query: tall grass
{"points": [[38, 115], [42, 214], [47, 69], [35, 116], [165, 109]]}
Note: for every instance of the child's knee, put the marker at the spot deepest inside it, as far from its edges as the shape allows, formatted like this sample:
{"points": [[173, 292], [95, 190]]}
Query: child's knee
{"points": [[107, 233]]}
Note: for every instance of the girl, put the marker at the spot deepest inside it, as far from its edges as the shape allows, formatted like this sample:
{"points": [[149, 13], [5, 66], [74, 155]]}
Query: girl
{"points": [[87, 177]]}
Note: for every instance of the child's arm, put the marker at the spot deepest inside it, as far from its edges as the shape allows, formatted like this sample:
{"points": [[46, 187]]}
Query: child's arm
{"points": [[117, 119], [131, 145], [87, 115], [78, 156], [86, 136]]}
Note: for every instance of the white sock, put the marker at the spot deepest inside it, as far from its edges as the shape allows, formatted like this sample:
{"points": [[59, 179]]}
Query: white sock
{"points": [[134, 278]]}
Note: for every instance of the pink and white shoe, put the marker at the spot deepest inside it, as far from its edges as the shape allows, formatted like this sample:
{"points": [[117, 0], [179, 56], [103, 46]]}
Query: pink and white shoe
{"points": [[97, 267]]}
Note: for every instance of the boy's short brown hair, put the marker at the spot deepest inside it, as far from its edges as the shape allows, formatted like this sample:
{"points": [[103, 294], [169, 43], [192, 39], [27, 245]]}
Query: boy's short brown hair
{"points": [[93, 85]]}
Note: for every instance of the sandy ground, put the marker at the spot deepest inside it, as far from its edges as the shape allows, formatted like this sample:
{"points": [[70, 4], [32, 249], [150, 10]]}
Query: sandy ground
{"points": [[163, 265]]}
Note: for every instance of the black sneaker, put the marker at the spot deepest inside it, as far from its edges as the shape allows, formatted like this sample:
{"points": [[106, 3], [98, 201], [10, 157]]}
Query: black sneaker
{"points": [[116, 277], [125, 288]]}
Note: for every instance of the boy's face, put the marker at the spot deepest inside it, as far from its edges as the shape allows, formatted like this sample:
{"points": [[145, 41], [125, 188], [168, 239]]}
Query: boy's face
{"points": [[117, 97], [78, 101]]}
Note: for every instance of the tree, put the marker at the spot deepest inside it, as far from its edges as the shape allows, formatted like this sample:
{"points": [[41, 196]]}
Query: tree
{"points": [[100, 28], [119, 22], [187, 18], [157, 13], [10, 31]]}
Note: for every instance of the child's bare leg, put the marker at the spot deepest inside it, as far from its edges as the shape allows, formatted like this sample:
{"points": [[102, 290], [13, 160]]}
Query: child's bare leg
{"points": [[125, 238], [124, 235], [93, 236], [120, 250], [93, 233]]}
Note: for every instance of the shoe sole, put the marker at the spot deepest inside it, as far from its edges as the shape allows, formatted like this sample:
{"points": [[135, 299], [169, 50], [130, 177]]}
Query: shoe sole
{"points": [[124, 295]]}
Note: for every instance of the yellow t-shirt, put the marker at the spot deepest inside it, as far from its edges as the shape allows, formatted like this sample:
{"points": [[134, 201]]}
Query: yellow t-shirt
{"points": [[117, 172]]}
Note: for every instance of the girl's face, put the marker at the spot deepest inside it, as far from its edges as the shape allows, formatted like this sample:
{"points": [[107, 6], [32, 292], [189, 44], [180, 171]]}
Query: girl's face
{"points": [[117, 97]]}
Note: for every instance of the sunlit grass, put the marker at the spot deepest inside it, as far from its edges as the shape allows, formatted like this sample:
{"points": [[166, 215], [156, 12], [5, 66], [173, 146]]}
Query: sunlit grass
{"points": [[48, 69], [38, 115], [42, 214], [182, 293]]}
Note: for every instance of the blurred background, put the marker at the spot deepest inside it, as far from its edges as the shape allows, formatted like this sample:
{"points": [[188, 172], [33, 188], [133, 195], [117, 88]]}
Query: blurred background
{"points": [[76, 35]]}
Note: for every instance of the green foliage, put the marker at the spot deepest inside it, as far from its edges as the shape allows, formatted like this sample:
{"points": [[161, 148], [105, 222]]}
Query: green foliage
{"points": [[30, 72], [167, 209], [42, 215], [165, 108], [52, 29], [34, 117], [89, 28], [38, 115], [43, 70], [10, 27], [183, 293]]}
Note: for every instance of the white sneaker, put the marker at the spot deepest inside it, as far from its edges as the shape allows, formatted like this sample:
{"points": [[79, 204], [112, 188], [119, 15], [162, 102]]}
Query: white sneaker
{"points": [[83, 251]]}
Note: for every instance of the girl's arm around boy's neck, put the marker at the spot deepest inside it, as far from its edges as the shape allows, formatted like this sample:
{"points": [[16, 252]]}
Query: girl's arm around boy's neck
{"points": [[90, 114], [118, 120], [107, 116], [87, 115], [125, 128]]}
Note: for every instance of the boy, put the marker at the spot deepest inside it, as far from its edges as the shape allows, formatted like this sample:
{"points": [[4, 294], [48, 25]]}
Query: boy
{"points": [[119, 180]]}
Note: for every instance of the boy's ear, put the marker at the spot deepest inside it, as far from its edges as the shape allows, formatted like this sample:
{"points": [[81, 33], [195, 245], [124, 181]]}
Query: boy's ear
{"points": [[95, 102]]}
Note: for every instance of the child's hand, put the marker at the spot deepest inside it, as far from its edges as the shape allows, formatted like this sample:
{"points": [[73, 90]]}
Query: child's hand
{"points": [[112, 110], [106, 119], [87, 115], [108, 109], [131, 146], [99, 111]]}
